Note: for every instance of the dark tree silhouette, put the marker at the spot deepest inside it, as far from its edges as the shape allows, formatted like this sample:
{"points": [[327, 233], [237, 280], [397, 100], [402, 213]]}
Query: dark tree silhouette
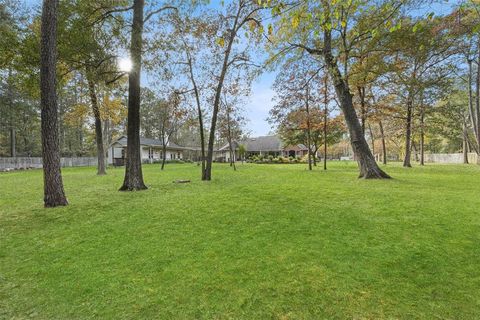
{"points": [[133, 167], [54, 194]]}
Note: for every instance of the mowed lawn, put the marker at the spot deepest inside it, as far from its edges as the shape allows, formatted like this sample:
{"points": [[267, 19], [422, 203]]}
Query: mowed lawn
{"points": [[265, 242]]}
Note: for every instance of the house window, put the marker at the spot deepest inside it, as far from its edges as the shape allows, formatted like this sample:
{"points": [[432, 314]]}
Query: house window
{"points": [[150, 153], [123, 153]]}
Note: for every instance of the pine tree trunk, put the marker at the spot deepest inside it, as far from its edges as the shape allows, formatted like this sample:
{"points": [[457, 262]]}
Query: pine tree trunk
{"points": [[101, 170], [54, 194], [133, 168], [367, 165], [408, 134]]}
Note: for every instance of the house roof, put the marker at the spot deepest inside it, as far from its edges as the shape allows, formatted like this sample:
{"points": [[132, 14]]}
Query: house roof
{"points": [[264, 144], [147, 142]]}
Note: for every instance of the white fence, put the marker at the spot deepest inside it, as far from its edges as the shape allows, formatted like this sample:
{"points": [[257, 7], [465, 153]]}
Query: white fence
{"points": [[36, 162], [450, 157]]}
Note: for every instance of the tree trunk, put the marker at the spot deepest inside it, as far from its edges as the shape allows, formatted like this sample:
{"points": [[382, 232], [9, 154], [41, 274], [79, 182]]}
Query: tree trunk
{"points": [[164, 156], [477, 100], [216, 105], [229, 138], [13, 147], [408, 134], [325, 120], [471, 110], [309, 139], [98, 126], [384, 148], [54, 194], [363, 109], [133, 169], [422, 136], [200, 116], [465, 143], [372, 137], [367, 164]]}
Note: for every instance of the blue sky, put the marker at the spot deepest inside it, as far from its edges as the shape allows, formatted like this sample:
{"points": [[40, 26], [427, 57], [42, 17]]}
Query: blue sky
{"points": [[260, 101]]}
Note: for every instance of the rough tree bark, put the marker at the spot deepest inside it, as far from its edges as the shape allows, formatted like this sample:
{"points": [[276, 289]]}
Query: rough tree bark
{"points": [[367, 165], [54, 194], [101, 170], [133, 168]]}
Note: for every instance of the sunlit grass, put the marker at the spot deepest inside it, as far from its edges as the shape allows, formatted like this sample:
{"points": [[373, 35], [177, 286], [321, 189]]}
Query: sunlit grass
{"points": [[265, 242]]}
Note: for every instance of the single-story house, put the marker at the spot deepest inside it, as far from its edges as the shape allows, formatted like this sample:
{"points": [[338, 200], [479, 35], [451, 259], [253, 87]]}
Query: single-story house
{"points": [[151, 150], [266, 145]]}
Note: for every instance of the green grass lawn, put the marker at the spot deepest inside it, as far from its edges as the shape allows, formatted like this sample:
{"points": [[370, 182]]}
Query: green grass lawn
{"points": [[265, 242]]}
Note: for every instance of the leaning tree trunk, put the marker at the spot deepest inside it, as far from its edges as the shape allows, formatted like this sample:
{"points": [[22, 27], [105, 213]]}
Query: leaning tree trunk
{"points": [[54, 194], [200, 115], [133, 169], [367, 165], [98, 127], [408, 134], [207, 175]]}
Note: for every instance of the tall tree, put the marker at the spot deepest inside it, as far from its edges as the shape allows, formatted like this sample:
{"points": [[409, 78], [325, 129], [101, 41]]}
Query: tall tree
{"points": [[245, 14], [332, 31], [54, 194], [133, 168]]}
